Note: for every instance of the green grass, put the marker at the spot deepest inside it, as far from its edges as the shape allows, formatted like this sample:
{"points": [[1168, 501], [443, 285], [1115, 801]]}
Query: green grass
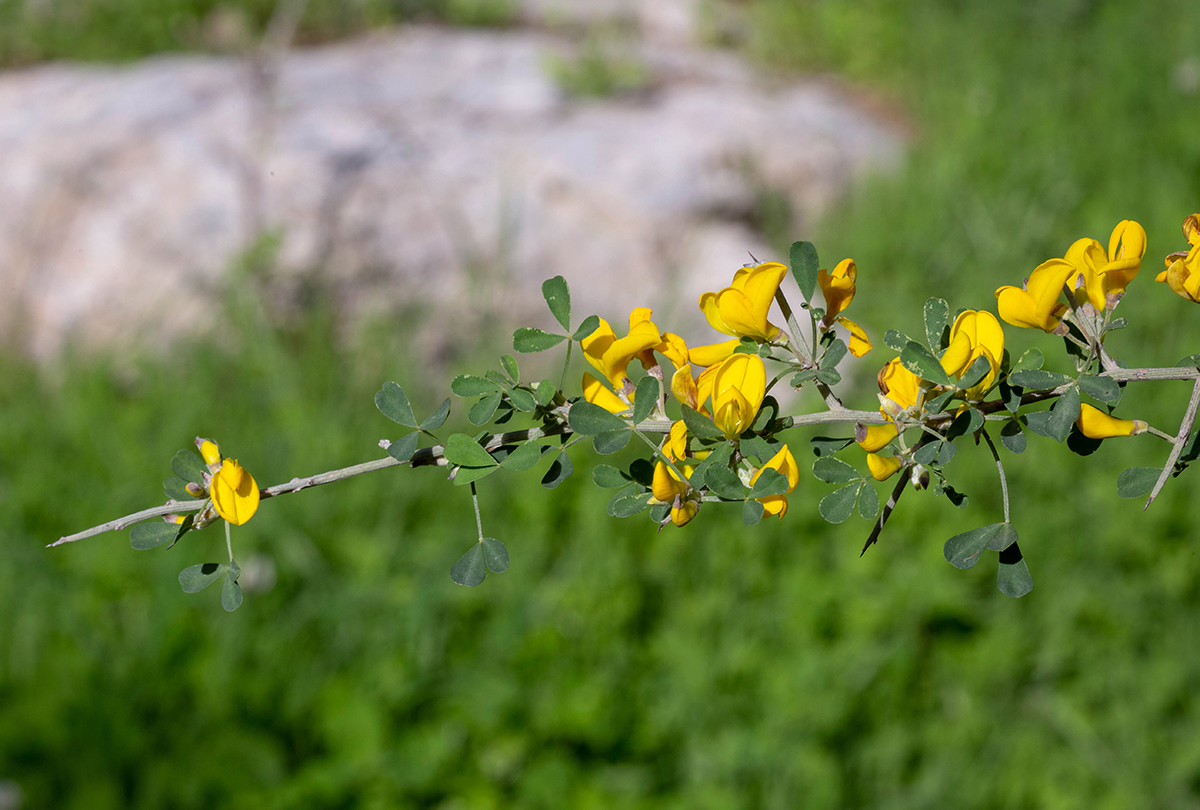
{"points": [[712, 667]]}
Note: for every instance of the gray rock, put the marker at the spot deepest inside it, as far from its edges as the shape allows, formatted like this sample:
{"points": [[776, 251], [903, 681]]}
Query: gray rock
{"points": [[422, 167]]}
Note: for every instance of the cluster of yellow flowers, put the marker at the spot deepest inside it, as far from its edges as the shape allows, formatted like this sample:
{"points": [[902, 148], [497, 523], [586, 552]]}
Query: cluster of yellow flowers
{"points": [[730, 386]]}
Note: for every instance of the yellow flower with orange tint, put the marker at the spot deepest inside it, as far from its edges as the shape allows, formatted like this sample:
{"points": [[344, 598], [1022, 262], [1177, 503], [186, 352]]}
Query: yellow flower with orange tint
{"points": [[838, 288], [1036, 306], [741, 308], [859, 344], [1096, 424], [784, 463], [899, 392], [234, 493], [1183, 269]]}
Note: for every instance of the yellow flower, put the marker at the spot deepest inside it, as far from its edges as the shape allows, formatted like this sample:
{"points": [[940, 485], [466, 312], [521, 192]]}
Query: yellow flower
{"points": [[883, 467], [974, 334], [597, 393], [234, 493], [741, 308], [667, 488], [1103, 273], [612, 355], [784, 463], [1096, 424], [210, 452], [900, 390], [675, 447], [859, 343], [1183, 269], [838, 288], [713, 353], [1036, 306], [738, 386]]}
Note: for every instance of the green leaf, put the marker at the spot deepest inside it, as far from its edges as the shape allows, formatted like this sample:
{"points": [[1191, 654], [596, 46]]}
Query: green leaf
{"points": [[1117, 323], [868, 501], [1010, 395], [725, 483], [438, 417], [975, 374], [560, 470], [509, 364], [833, 355], [528, 340], [1003, 538], [198, 577], [544, 392], [659, 512], [938, 404], [146, 536], [1013, 577], [1036, 422], [403, 448], [642, 471], [805, 267], [896, 340], [1012, 437], [645, 397], [1104, 389], [838, 505], [926, 453], [834, 471], [966, 423], [1037, 379], [522, 400], [828, 445], [175, 488], [917, 359], [495, 555], [937, 313], [803, 377], [470, 569], [1032, 359], [1137, 482], [963, 550], [1063, 414], [752, 512], [946, 452], [482, 411], [611, 441], [628, 501], [467, 385], [829, 376], [462, 450], [231, 592], [700, 426], [188, 466], [590, 324], [558, 298], [1191, 361], [465, 475], [770, 482], [393, 403], [609, 477], [525, 457], [758, 447], [1081, 445], [590, 419], [718, 457]]}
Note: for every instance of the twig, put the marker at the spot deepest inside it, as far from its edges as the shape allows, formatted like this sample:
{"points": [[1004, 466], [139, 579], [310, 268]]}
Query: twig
{"points": [[1185, 430], [1000, 469]]}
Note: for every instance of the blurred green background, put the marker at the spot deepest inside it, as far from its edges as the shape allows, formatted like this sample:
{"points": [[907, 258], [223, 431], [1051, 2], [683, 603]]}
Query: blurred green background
{"points": [[714, 667]]}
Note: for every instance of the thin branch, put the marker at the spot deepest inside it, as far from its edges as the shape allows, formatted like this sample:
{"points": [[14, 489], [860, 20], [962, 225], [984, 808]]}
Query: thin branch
{"points": [[800, 346], [1000, 469], [1185, 430]]}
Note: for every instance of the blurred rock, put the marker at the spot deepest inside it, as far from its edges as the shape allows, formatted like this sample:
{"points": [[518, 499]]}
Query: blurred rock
{"points": [[425, 167]]}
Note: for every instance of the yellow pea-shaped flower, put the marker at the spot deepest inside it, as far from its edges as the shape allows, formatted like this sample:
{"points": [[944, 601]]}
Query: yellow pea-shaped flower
{"points": [[234, 493], [1096, 424]]}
